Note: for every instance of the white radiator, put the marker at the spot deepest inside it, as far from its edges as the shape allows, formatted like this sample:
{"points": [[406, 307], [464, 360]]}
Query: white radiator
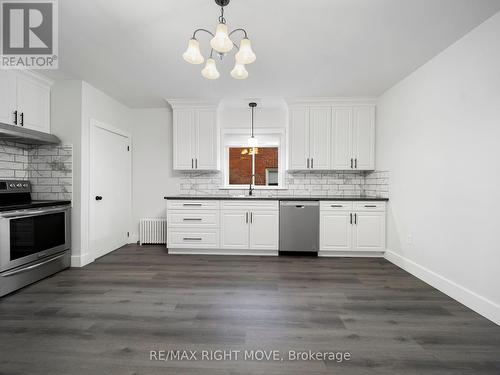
{"points": [[153, 231]]}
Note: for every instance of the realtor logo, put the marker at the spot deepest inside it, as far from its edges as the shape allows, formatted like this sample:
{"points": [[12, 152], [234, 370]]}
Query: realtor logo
{"points": [[29, 34]]}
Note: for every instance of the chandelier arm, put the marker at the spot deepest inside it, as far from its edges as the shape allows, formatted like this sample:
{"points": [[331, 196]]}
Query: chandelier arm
{"points": [[205, 30], [244, 32]]}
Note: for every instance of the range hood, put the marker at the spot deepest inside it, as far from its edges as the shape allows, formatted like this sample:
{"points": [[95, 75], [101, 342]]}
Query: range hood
{"points": [[27, 136]]}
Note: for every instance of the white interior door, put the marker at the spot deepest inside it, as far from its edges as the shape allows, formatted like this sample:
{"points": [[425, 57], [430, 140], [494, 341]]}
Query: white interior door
{"points": [[110, 189]]}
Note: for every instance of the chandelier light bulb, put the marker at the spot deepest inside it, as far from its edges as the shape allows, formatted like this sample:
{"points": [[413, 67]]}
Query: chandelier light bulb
{"points": [[239, 71], [221, 42], [210, 70], [193, 54], [245, 55]]}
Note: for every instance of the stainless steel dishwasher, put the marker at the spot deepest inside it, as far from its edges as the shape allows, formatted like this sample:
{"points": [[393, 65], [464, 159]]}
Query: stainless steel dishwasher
{"points": [[299, 226]]}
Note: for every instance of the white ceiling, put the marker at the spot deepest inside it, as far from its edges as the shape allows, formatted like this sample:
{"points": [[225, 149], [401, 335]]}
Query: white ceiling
{"points": [[132, 49]]}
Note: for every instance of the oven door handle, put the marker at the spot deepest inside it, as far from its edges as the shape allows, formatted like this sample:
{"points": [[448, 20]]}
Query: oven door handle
{"points": [[33, 213], [33, 266]]}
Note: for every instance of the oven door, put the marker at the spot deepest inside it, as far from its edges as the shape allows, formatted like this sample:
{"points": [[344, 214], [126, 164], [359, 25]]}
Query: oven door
{"points": [[29, 235]]}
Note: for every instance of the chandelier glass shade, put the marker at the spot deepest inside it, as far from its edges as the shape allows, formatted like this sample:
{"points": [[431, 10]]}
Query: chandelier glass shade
{"points": [[221, 43]]}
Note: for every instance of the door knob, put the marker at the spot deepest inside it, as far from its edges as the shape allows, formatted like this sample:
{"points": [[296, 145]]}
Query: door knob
{"points": [[98, 198]]}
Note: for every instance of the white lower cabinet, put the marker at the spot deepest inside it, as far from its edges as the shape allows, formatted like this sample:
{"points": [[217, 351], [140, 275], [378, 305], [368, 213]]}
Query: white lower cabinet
{"points": [[355, 228], [223, 227]]}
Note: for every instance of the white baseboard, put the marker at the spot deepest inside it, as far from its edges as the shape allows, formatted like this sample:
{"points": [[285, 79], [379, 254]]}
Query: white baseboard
{"points": [[81, 260], [351, 254], [479, 304], [134, 238], [223, 252]]}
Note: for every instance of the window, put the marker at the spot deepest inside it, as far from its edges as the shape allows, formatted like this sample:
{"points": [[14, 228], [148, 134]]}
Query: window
{"points": [[260, 162], [260, 166]]}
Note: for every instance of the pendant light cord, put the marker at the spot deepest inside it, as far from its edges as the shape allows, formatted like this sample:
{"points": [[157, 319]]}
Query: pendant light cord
{"points": [[252, 122]]}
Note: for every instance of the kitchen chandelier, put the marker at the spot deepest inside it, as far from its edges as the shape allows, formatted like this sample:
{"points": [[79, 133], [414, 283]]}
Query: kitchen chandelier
{"points": [[222, 44]]}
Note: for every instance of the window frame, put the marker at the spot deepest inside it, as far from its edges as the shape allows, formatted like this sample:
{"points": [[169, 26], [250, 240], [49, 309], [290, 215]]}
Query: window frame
{"points": [[269, 137]]}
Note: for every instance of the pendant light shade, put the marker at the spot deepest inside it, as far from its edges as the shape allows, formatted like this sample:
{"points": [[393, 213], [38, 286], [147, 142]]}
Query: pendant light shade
{"points": [[221, 42], [210, 70], [193, 54], [245, 55], [239, 71]]}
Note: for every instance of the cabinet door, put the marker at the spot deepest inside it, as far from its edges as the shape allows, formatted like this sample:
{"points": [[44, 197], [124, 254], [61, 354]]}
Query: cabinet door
{"points": [[206, 140], [264, 230], [369, 231], [299, 138], [335, 231], [342, 139], [234, 229], [184, 134], [7, 96], [320, 123], [33, 101], [364, 138]]}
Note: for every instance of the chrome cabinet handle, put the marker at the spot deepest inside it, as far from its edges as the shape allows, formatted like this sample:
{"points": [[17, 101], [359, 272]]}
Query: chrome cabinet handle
{"points": [[336, 205], [350, 218], [370, 206], [22, 119], [192, 204], [312, 163], [15, 117], [196, 163], [351, 163], [356, 163], [192, 163], [191, 239], [246, 217], [307, 163], [191, 219], [251, 217], [356, 219]]}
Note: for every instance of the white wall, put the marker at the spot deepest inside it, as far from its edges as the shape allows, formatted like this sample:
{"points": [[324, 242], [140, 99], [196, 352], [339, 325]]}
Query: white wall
{"points": [[439, 136], [66, 98], [153, 175]]}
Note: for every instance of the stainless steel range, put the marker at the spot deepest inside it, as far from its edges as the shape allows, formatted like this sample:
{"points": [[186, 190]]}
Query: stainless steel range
{"points": [[34, 236]]}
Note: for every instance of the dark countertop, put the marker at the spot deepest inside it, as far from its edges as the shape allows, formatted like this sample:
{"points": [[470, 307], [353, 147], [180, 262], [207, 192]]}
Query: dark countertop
{"points": [[277, 198]]}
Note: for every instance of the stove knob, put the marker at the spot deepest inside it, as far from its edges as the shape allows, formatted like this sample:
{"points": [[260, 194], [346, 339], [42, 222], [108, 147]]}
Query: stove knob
{"points": [[12, 185], [25, 185], [19, 185]]}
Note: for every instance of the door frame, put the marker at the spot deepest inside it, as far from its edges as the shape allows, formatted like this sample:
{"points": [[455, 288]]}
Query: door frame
{"points": [[94, 124]]}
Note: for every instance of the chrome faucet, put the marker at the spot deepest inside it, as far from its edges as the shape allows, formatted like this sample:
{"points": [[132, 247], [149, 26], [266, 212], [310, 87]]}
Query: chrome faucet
{"points": [[250, 189]]}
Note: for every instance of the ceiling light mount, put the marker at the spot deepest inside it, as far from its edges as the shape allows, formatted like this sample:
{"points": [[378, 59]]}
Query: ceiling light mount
{"points": [[222, 44]]}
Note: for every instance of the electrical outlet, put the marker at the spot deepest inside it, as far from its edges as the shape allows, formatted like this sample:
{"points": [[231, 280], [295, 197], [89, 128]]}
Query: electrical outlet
{"points": [[409, 239]]}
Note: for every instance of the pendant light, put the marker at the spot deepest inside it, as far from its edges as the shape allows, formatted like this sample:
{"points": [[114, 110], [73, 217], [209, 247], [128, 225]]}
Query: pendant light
{"points": [[222, 44], [252, 141]]}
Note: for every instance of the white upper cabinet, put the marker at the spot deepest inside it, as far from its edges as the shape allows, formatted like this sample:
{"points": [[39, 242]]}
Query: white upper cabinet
{"points": [[25, 100], [310, 130], [299, 138], [7, 97], [332, 135], [195, 137], [363, 146]]}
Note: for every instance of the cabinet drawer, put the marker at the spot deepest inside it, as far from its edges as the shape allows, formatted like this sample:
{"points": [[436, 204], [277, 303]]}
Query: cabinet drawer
{"points": [[369, 206], [193, 238], [192, 204], [249, 205], [335, 206], [193, 218]]}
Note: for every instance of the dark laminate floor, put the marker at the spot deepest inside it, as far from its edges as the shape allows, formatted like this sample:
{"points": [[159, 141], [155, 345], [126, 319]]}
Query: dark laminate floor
{"points": [[106, 317]]}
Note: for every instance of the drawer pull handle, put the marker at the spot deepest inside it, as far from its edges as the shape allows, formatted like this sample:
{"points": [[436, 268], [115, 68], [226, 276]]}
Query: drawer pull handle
{"points": [[336, 205], [191, 239], [192, 204], [191, 219], [370, 206]]}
